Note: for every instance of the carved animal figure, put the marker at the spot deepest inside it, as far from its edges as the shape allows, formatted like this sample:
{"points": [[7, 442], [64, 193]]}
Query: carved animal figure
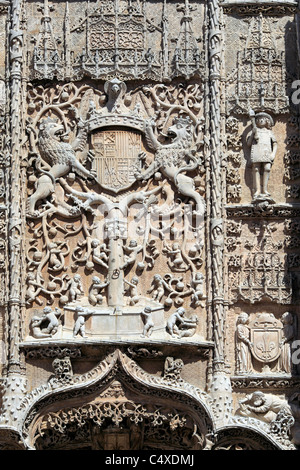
{"points": [[173, 159], [60, 155], [115, 90]]}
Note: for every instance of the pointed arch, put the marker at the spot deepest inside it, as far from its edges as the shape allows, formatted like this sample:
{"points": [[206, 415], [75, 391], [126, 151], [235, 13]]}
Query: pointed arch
{"points": [[243, 437], [177, 403]]}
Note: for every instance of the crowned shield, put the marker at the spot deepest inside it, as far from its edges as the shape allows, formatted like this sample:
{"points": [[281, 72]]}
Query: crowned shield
{"points": [[266, 336], [115, 159]]}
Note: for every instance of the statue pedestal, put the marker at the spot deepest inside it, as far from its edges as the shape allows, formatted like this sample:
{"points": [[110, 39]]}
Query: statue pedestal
{"points": [[112, 322]]}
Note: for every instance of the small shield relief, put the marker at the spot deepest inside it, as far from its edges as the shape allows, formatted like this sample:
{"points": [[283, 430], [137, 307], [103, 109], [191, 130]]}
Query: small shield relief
{"points": [[116, 157], [266, 336]]}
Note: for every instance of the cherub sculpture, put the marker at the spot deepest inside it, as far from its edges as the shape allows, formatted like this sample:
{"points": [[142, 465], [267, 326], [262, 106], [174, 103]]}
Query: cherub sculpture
{"points": [[76, 288], [131, 251], [95, 295], [177, 262], [197, 284], [148, 322], [133, 290], [79, 327], [46, 325], [100, 253], [179, 326], [157, 289]]}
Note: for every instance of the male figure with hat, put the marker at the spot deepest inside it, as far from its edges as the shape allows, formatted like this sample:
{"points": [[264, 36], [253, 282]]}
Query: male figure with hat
{"points": [[263, 151]]}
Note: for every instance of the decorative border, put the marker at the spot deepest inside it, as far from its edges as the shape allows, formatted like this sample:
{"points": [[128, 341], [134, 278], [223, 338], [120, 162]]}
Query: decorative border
{"points": [[266, 210], [252, 8], [269, 383]]}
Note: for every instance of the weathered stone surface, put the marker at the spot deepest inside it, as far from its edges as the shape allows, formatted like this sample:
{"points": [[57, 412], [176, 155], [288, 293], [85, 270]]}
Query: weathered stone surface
{"points": [[149, 225]]}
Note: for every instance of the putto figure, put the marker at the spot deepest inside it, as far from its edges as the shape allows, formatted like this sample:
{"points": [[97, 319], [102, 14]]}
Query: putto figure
{"points": [[76, 288], [131, 251], [148, 322], [178, 325], [263, 151], [47, 324], [95, 292]]}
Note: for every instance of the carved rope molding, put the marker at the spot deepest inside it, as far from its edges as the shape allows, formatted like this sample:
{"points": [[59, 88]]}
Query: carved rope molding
{"points": [[15, 383], [103, 373], [16, 222], [215, 46]]}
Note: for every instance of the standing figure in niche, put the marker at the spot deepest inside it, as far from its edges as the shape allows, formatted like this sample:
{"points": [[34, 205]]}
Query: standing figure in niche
{"points": [[285, 359], [263, 151], [243, 345]]}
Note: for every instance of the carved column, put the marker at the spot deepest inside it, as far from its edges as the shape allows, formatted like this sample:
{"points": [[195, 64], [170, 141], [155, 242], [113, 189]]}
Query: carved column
{"points": [[15, 382], [220, 386]]}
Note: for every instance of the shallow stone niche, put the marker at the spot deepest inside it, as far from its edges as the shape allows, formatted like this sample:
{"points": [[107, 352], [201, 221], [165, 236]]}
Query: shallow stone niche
{"points": [[264, 328]]}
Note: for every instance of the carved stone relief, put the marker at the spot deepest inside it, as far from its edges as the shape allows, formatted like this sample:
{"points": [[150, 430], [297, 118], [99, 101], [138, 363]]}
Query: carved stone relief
{"points": [[270, 409], [108, 39], [259, 79], [257, 267], [119, 229], [149, 225], [264, 344]]}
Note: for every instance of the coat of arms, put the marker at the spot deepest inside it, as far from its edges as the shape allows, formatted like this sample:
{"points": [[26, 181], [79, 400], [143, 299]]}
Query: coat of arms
{"points": [[115, 157], [265, 336]]}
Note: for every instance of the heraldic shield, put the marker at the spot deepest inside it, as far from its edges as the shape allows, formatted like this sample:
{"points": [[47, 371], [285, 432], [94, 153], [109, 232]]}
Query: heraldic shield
{"points": [[265, 336], [116, 155]]}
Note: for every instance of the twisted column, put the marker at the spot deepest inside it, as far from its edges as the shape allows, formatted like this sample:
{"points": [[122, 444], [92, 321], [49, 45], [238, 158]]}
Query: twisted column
{"points": [[220, 386], [15, 225], [15, 384], [217, 236]]}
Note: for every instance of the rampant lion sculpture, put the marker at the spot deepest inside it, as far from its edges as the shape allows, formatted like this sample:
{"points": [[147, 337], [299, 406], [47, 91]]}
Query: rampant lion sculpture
{"points": [[59, 154], [175, 158]]}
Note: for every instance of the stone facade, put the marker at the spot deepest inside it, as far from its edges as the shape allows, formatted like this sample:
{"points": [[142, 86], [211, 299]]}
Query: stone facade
{"points": [[149, 225]]}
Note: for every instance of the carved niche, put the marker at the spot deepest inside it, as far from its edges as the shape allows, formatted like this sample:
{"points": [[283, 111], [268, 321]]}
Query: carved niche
{"points": [[264, 344], [260, 73], [257, 264]]}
